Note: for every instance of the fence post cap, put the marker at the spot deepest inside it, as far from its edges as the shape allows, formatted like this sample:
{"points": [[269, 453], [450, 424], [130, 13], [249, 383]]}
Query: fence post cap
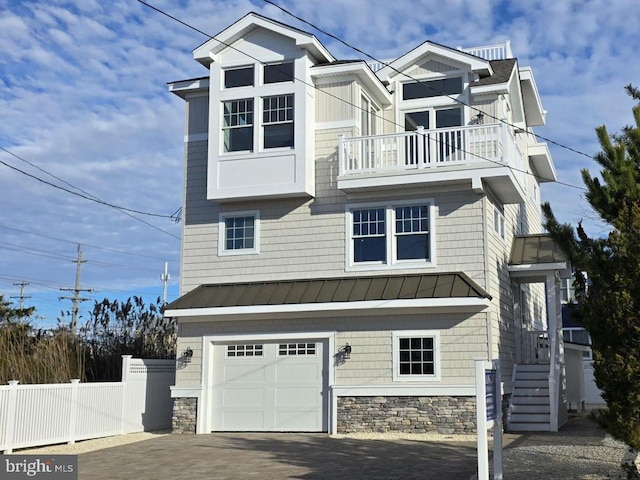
{"points": [[75, 380], [13, 383]]}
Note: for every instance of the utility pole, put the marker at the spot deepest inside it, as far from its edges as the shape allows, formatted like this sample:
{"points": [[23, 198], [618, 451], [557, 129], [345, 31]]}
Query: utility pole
{"points": [[76, 298], [165, 280], [22, 296]]}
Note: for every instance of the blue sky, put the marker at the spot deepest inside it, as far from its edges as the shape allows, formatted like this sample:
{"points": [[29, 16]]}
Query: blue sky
{"points": [[83, 96]]}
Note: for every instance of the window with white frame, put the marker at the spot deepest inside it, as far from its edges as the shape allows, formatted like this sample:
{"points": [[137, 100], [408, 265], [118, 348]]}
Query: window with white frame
{"points": [[296, 349], [395, 234], [251, 350], [432, 88], [259, 122], [237, 127], [277, 121], [498, 222], [580, 336], [238, 233], [416, 355]]}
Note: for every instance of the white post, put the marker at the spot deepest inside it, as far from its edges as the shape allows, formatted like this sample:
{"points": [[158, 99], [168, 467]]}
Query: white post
{"points": [[554, 368], [126, 363], [420, 153], [74, 410], [481, 416], [497, 425], [11, 414], [342, 166]]}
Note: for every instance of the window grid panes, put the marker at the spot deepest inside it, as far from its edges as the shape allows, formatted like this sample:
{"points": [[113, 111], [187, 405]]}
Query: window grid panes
{"points": [[244, 350], [297, 349], [369, 235], [239, 232], [278, 72], [238, 125], [238, 77], [412, 232], [416, 356], [277, 118]]}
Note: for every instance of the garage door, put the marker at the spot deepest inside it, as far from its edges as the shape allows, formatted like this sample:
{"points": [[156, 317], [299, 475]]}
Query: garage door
{"points": [[279, 386]]}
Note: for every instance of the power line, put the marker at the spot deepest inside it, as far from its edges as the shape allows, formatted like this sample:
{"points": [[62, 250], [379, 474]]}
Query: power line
{"points": [[512, 168], [83, 195], [107, 249], [422, 82]]}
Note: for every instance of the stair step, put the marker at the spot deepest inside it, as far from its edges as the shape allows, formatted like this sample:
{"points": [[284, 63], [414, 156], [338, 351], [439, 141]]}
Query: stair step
{"points": [[532, 384], [530, 418], [525, 400], [530, 408], [532, 376], [529, 427], [531, 392], [540, 367]]}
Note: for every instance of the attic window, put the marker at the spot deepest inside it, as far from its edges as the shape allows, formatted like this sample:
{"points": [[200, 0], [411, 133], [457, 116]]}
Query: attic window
{"points": [[432, 88], [238, 77], [278, 72]]}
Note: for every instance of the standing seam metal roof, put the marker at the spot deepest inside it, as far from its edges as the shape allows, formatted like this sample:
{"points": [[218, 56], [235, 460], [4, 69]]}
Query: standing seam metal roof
{"points": [[330, 290]]}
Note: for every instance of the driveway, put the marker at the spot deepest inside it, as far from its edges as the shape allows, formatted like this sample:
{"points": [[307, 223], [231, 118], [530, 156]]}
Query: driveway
{"points": [[267, 456]]}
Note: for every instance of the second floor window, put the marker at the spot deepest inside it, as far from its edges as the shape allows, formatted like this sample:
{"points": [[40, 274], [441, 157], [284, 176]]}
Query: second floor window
{"points": [[238, 232], [393, 235]]}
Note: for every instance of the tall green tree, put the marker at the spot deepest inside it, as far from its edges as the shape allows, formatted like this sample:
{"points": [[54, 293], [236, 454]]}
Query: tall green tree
{"points": [[609, 306]]}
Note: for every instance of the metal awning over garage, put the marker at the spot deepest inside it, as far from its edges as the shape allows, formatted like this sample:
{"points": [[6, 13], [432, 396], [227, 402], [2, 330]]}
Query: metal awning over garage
{"points": [[444, 290]]}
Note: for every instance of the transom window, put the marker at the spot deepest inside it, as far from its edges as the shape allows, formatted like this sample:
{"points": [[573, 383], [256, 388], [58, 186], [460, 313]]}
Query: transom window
{"points": [[244, 350], [278, 72], [432, 88], [239, 77], [290, 349], [416, 355], [238, 233], [237, 125], [391, 235], [277, 120]]}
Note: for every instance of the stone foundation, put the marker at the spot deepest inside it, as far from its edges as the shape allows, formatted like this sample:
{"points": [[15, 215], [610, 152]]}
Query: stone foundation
{"points": [[184, 415], [445, 415]]}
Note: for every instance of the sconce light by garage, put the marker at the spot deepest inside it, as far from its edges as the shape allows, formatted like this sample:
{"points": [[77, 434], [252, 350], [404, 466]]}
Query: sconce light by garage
{"points": [[345, 352], [187, 354]]}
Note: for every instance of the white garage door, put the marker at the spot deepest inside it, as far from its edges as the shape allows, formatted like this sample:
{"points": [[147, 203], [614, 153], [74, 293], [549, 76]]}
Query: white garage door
{"points": [[270, 386]]}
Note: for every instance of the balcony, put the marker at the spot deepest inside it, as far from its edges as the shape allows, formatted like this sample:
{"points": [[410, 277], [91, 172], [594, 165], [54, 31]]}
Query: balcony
{"points": [[474, 155]]}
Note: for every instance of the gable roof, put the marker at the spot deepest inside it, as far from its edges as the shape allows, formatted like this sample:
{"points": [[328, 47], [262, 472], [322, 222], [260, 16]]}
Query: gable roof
{"points": [[338, 291], [502, 71], [206, 52], [398, 65]]}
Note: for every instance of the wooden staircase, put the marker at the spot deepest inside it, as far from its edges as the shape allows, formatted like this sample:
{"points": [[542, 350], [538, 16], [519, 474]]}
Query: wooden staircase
{"points": [[529, 409]]}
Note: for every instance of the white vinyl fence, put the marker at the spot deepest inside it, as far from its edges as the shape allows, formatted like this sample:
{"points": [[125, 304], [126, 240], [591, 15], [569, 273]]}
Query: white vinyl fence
{"points": [[34, 415]]}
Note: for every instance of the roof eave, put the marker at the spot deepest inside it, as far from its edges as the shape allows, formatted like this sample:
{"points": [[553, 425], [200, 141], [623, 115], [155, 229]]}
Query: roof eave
{"points": [[535, 114], [462, 305], [363, 72]]}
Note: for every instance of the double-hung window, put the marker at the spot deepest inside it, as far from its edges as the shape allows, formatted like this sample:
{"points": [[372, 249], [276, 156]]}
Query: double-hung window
{"points": [[277, 121], [416, 355], [390, 235], [238, 233], [237, 127], [257, 119]]}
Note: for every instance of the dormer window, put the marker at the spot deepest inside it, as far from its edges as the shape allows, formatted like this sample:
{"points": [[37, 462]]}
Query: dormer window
{"points": [[239, 77], [278, 72], [432, 88]]}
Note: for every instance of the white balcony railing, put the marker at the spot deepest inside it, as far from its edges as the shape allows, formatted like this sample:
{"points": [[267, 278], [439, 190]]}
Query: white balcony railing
{"points": [[489, 145], [491, 52]]}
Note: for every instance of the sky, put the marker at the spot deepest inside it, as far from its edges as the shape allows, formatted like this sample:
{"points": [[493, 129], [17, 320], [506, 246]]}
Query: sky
{"points": [[91, 141]]}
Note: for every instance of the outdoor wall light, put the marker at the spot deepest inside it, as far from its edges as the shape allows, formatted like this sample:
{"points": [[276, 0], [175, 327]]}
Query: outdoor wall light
{"points": [[346, 351], [187, 354], [480, 118]]}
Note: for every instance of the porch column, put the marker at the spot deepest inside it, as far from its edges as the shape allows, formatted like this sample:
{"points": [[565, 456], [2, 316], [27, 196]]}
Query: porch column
{"points": [[556, 353]]}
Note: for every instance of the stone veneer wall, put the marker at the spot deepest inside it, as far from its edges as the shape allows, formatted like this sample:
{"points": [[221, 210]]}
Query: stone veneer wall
{"points": [[446, 415], [184, 415]]}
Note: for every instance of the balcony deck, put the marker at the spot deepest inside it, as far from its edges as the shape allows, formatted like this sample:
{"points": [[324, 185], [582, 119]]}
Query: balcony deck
{"points": [[474, 154]]}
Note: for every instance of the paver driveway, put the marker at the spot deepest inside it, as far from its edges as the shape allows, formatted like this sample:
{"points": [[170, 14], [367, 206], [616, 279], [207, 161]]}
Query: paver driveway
{"points": [[267, 456]]}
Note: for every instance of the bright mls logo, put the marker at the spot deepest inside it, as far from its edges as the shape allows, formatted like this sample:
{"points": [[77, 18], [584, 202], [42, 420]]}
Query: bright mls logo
{"points": [[58, 467]]}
